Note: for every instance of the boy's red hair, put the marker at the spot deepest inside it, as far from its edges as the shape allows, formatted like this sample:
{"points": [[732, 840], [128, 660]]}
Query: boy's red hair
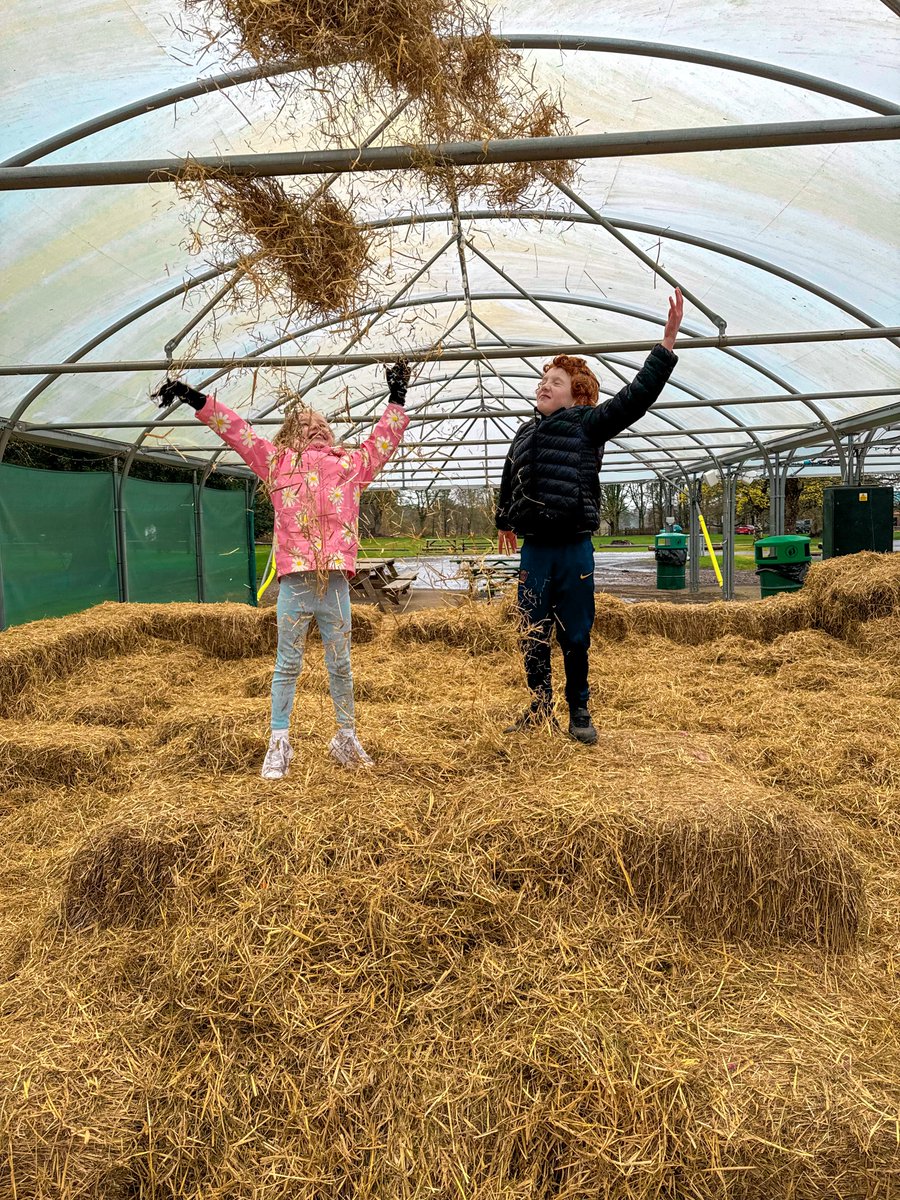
{"points": [[585, 388]]}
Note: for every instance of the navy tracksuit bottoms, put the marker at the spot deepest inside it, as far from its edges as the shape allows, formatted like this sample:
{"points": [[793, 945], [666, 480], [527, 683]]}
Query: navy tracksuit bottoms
{"points": [[556, 590]]}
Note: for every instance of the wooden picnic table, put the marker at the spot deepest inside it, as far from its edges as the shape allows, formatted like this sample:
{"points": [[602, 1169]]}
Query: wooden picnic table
{"points": [[493, 570], [379, 580]]}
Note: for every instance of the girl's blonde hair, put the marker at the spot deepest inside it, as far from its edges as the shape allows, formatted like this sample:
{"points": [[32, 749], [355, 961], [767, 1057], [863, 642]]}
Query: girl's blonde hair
{"points": [[302, 428]]}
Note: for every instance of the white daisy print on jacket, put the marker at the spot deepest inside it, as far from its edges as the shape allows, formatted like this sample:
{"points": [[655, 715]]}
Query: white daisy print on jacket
{"points": [[299, 563], [337, 562], [395, 419], [312, 480], [346, 463], [348, 533], [289, 497], [383, 445], [248, 437], [219, 422], [336, 496]]}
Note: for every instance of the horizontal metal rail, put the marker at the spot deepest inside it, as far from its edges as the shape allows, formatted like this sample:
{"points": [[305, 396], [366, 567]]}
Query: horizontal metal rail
{"points": [[455, 354], [460, 154]]}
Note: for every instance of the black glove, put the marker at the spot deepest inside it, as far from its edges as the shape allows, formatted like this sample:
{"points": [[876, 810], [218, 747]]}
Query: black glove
{"points": [[173, 389], [398, 379]]}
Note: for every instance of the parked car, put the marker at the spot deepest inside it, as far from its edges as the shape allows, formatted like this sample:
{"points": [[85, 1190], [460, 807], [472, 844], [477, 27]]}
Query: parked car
{"points": [[745, 529]]}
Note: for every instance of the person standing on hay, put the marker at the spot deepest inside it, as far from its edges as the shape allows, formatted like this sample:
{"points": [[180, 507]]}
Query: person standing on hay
{"points": [[315, 488], [550, 497]]}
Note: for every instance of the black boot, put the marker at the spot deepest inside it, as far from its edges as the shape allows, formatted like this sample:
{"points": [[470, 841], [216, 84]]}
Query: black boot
{"points": [[540, 712], [581, 727]]}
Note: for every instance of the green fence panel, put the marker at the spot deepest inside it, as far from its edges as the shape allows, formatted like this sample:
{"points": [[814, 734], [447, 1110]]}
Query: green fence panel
{"points": [[160, 541], [226, 565], [57, 542]]}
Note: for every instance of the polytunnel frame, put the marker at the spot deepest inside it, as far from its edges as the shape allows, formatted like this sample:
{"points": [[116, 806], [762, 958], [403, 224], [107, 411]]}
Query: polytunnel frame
{"points": [[656, 50]]}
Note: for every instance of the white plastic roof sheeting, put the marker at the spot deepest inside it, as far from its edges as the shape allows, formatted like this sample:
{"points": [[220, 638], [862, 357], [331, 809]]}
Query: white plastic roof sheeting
{"points": [[78, 259]]}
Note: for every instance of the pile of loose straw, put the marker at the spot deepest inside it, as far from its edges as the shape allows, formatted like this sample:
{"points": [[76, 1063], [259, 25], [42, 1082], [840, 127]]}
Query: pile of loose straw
{"points": [[491, 967]]}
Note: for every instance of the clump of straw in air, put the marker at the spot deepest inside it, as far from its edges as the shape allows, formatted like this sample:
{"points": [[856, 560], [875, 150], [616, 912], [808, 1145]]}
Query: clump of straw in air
{"points": [[307, 254]]}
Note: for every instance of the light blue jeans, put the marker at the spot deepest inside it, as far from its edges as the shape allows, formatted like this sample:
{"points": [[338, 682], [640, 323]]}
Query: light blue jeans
{"points": [[300, 598]]}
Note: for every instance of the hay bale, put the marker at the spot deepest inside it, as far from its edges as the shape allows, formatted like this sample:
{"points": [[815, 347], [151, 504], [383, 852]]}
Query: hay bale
{"points": [[695, 624], [55, 754], [877, 639], [853, 588], [32, 655], [230, 738], [610, 617], [477, 628], [237, 631], [226, 631], [122, 876], [740, 863]]}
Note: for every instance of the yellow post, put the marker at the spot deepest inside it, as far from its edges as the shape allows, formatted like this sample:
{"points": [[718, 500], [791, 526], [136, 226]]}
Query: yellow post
{"points": [[709, 546], [269, 573]]}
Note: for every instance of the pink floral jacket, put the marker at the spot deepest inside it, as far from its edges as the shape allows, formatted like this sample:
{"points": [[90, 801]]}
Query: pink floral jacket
{"points": [[315, 494]]}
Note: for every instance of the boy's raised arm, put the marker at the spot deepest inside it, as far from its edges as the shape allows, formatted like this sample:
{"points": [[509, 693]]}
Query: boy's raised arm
{"points": [[634, 400]]}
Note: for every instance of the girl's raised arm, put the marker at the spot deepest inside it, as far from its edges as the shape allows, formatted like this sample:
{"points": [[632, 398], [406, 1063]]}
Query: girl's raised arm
{"points": [[256, 451]]}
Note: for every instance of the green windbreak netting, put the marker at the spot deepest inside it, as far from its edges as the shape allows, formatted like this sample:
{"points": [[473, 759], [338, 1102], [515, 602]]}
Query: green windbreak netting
{"points": [[160, 541], [57, 542], [225, 541]]}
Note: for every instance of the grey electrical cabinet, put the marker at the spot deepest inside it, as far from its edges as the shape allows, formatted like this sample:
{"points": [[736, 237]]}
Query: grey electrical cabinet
{"points": [[857, 518]]}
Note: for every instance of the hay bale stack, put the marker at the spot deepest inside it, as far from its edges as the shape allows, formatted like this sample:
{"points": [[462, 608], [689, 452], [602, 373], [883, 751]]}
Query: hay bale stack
{"points": [[477, 628], [226, 631], [231, 737], [696, 624], [504, 967], [31, 655], [123, 875], [853, 588], [315, 976], [55, 753]]}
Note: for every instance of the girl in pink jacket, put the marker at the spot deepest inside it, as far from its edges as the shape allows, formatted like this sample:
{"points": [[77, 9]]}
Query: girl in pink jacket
{"points": [[315, 488]]}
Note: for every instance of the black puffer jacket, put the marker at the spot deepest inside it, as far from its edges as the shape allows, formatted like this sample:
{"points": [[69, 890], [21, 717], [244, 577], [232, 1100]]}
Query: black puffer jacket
{"points": [[550, 488]]}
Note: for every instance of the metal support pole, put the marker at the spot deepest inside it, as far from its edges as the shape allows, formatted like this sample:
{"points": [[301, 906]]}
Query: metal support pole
{"points": [[729, 518], [250, 498], [2, 592], [694, 486], [121, 542], [776, 496], [461, 154], [198, 537], [454, 354]]}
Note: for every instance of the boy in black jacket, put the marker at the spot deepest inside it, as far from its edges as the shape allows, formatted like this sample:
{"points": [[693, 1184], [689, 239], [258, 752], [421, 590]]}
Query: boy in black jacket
{"points": [[549, 496]]}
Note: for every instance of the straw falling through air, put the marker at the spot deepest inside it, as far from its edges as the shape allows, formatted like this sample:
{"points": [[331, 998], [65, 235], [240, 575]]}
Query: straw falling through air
{"points": [[308, 253]]}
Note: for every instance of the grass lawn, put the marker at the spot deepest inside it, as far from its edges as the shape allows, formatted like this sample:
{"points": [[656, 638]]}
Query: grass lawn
{"points": [[408, 547]]}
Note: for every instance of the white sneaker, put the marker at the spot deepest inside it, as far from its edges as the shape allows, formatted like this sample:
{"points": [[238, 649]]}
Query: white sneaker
{"points": [[345, 747], [278, 757]]}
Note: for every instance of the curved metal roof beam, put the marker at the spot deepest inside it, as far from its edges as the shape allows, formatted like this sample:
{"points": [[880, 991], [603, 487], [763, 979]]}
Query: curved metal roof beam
{"points": [[471, 215], [525, 41], [627, 310]]}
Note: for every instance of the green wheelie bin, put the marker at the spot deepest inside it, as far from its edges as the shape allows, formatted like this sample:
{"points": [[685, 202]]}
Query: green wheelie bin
{"points": [[782, 563], [670, 550]]}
